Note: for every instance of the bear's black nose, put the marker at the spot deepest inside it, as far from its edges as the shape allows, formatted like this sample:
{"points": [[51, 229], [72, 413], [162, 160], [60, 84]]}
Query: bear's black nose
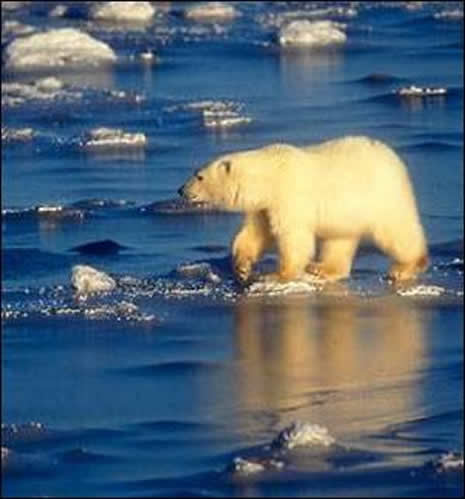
{"points": [[181, 191]]}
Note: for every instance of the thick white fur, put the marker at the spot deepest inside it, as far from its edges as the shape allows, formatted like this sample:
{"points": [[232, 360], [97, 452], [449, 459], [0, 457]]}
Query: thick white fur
{"points": [[337, 192]]}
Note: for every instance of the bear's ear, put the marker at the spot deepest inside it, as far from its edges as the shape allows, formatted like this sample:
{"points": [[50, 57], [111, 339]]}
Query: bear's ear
{"points": [[226, 165]]}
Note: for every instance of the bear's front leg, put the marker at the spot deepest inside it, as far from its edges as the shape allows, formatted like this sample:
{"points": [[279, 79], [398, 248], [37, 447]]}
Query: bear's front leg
{"points": [[249, 244]]}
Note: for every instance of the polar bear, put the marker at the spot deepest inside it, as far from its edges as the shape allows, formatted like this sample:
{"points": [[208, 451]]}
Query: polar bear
{"points": [[336, 193]]}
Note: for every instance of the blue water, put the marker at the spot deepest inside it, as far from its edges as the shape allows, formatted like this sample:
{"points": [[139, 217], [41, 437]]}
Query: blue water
{"points": [[154, 388]]}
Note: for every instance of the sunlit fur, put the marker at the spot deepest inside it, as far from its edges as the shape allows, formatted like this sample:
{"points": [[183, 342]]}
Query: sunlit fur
{"points": [[337, 192]]}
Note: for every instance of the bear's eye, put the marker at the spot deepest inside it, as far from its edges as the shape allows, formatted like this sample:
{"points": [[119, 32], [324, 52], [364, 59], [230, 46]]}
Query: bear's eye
{"points": [[199, 178]]}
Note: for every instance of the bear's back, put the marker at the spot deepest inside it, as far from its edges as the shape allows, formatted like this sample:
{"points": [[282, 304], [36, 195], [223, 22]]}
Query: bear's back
{"points": [[358, 155]]}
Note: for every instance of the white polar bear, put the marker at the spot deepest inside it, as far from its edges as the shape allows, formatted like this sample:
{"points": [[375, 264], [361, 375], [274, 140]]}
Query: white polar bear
{"points": [[338, 192]]}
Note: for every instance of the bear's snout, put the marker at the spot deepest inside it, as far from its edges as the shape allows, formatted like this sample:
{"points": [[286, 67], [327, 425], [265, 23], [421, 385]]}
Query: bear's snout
{"points": [[181, 191]]}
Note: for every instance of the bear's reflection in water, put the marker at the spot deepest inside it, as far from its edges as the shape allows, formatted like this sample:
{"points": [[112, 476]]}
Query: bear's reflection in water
{"points": [[352, 365]]}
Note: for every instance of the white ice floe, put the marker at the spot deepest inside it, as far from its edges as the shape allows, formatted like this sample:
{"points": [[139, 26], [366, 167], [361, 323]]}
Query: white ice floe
{"points": [[17, 135], [265, 286], [15, 28], [422, 290], [44, 89], [86, 279], [59, 212], [111, 138], [13, 5], [275, 20], [413, 90], [148, 56], [311, 34], [303, 434], [57, 48], [198, 270], [215, 114], [211, 11], [243, 466], [449, 15], [452, 461], [5, 454], [58, 11], [122, 11]]}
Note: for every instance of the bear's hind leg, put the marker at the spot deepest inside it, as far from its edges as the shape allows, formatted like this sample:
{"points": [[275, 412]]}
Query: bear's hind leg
{"points": [[250, 243], [336, 257], [404, 271], [409, 253]]}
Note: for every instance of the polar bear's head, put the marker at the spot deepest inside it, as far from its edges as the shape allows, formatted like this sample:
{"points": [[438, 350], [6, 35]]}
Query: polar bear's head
{"points": [[210, 184], [239, 181]]}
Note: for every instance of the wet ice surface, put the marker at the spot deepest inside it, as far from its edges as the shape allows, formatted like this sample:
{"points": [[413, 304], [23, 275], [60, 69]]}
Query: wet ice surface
{"points": [[133, 363]]}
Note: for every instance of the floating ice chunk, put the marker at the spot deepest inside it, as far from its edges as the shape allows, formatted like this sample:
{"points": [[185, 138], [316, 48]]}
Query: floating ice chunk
{"points": [[5, 454], [109, 138], [211, 10], [216, 114], [17, 135], [13, 5], [86, 280], [421, 290], [264, 286], [333, 10], [243, 466], [122, 11], [198, 270], [246, 467], [50, 84], [24, 432], [213, 119], [15, 28], [180, 207], [58, 11], [59, 212], [450, 462], [449, 15], [302, 434], [44, 89], [148, 56], [414, 91], [311, 34], [57, 48]]}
